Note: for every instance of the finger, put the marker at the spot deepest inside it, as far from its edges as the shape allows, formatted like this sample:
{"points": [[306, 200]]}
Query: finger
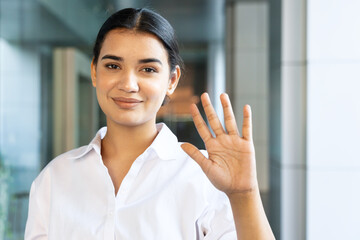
{"points": [[247, 124], [229, 118], [211, 115], [200, 124], [195, 154]]}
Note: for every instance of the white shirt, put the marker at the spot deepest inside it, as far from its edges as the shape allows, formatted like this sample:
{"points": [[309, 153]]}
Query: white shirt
{"points": [[165, 195]]}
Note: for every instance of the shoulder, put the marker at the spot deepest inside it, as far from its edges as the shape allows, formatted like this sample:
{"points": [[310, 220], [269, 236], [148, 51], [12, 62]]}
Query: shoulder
{"points": [[69, 157], [66, 163], [61, 163]]}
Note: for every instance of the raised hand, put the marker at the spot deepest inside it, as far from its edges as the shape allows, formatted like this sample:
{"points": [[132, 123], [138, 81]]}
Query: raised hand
{"points": [[230, 165]]}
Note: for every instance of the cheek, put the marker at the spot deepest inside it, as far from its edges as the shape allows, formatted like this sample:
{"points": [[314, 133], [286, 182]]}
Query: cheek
{"points": [[104, 82], [155, 89], [103, 87], [101, 101]]}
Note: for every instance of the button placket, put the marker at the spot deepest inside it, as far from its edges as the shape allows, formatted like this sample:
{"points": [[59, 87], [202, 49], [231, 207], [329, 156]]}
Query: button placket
{"points": [[109, 228], [125, 186]]}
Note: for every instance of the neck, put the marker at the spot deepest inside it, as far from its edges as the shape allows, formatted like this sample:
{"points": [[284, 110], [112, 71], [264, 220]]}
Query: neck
{"points": [[126, 143]]}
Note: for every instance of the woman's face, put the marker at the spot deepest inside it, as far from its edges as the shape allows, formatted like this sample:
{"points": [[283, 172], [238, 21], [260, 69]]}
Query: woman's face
{"points": [[132, 77]]}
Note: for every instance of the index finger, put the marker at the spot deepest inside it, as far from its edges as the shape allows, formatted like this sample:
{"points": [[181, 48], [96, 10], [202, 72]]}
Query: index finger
{"points": [[200, 124]]}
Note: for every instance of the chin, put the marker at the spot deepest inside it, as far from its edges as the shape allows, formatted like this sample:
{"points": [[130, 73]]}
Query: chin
{"points": [[130, 121]]}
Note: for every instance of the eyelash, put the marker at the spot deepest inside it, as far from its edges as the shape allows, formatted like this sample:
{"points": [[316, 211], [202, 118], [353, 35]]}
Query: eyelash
{"points": [[112, 66], [146, 69], [149, 70]]}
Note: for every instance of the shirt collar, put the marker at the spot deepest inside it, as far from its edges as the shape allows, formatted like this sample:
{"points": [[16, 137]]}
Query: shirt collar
{"points": [[165, 145], [94, 144]]}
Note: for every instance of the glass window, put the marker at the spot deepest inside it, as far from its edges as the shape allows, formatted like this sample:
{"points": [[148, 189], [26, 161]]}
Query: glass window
{"points": [[47, 103]]}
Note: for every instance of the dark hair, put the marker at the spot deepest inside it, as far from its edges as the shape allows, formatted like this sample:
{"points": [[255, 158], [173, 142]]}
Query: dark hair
{"points": [[142, 20]]}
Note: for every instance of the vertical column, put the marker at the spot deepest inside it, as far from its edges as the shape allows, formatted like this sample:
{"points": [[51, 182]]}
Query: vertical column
{"points": [[275, 129], [70, 66], [216, 57], [248, 56], [333, 133], [293, 118], [216, 74], [288, 118]]}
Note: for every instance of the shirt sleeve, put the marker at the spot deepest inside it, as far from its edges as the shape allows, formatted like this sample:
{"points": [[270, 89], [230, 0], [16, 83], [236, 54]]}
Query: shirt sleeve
{"points": [[217, 221], [36, 227]]}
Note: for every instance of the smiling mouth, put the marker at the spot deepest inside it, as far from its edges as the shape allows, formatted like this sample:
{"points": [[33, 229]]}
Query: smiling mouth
{"points": [[126, 103]]}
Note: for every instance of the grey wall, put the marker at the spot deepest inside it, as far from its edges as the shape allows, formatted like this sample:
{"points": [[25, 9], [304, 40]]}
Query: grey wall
{"points": [[333, 119], [314, 118]]}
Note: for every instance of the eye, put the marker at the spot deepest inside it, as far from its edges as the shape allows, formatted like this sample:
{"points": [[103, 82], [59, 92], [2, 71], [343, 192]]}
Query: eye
{"points": [[149, 70], [112, 66]]}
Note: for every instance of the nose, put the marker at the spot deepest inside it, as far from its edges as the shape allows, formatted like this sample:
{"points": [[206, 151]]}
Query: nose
{"points": [[128, 82]]}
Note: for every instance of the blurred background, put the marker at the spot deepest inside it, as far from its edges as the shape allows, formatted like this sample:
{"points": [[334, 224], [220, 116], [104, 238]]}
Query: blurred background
{"points": [[296, 62]]}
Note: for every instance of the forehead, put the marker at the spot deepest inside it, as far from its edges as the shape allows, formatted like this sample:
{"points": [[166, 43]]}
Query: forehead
{"points": [[130, 43]]}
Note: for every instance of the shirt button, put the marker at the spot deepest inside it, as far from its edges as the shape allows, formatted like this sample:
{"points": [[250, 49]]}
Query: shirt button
{"points": [[111, 213]]}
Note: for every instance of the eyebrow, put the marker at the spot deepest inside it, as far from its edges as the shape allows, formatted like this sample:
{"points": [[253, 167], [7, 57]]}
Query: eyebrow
{"points": [[149, 60], [113, 57], [120, 59]]}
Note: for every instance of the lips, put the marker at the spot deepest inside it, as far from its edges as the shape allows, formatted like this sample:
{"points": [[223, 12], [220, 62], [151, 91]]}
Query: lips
{"points": [[126, 103], [127, 100]]}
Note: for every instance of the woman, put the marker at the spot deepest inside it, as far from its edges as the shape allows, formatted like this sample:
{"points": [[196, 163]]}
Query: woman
{"points": [[134, 180]]}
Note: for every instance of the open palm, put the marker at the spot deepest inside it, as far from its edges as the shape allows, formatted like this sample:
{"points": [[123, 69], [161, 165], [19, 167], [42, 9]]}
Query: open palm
{"points": [[230, 165]]}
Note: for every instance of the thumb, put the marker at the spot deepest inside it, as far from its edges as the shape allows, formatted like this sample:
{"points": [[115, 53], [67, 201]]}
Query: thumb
{"points": [[195, 154]]}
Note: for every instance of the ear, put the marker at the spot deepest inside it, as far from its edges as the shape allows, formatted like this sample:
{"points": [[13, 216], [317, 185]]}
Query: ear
{"points": [[93, 73], [174, 80]]}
